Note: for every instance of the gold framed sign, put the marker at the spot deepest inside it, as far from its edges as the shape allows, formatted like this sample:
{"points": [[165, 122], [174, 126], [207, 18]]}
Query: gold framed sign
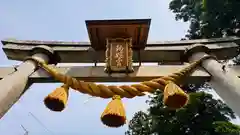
{"points": [[119, 55]]}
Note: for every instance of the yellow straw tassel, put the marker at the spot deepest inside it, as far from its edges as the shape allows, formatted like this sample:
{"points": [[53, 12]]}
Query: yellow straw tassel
{"points": [[114, 114], [57, 100], [174, 96]]}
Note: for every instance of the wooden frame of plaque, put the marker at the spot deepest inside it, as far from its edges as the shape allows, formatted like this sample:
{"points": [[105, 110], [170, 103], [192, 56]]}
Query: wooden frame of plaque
{"points": [[119, 55]]}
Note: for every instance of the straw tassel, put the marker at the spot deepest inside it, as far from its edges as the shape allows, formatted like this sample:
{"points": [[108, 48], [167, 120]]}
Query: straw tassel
{"points": [[174, 96], [114, 115], [57, 100]]}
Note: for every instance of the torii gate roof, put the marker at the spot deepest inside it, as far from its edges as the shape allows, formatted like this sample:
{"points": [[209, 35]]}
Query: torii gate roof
{"points": [[100, 30]]}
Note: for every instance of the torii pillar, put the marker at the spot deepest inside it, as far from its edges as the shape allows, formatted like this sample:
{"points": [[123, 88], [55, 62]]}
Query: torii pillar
{"points": [[224, 82], [14, 85]]}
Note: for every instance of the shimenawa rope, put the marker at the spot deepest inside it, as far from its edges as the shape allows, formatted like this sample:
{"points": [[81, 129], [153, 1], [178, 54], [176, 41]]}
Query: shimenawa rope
{"points": [[114, 114]]}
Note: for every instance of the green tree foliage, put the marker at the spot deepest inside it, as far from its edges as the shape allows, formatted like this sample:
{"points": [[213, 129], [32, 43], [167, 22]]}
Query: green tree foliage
{"points": [[202, 116], [139, 125], [208, 18], [226, 128]]}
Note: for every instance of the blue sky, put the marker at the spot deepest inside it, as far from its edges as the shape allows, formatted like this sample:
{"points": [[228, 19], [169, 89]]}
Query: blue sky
{"points": [[65, 20]]}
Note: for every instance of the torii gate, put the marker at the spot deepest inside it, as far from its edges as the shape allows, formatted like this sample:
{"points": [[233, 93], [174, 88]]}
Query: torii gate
{"points": [[120, 44]]}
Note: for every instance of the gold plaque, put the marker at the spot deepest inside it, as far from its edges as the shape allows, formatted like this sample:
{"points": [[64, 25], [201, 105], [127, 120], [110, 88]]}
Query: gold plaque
{"points": [[119, 55]]}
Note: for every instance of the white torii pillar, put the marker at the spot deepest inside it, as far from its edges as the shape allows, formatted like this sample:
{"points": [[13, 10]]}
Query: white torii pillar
{"points": [[14, 85], [225, 83]]}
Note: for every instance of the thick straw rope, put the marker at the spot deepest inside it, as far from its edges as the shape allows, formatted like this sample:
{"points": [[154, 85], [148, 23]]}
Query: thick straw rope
{"points": [[128, 91]]}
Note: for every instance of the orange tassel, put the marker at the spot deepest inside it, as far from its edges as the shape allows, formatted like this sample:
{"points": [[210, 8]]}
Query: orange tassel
{"points": [[174, 96], [57, 100], [114, 114]]}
